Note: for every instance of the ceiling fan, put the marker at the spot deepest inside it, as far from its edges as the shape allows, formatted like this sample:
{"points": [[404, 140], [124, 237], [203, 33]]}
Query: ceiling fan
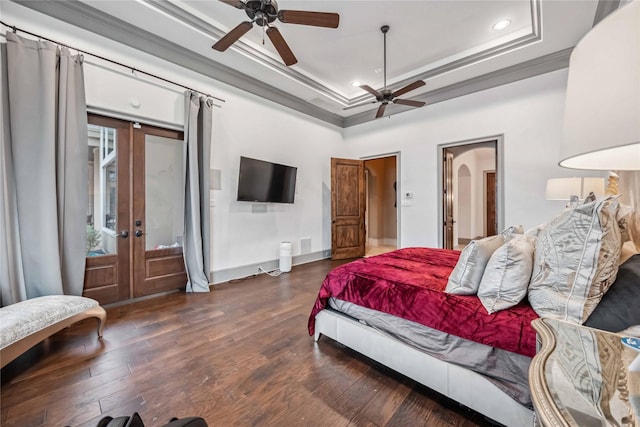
{"points": [[263, 13], [385, 96]]}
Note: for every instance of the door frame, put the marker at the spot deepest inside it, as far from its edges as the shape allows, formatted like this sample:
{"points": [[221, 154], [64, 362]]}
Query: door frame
{"points": [[395, 154], [499, 139]]}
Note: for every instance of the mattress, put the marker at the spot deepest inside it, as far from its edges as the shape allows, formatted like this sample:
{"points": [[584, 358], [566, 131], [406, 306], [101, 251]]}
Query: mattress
{"points": [[410, 283]]}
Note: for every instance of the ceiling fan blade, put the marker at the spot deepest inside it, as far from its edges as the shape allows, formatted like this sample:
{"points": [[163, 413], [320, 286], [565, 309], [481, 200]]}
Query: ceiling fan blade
{"points": [[380, 112], [232, 36], [317, 19], [409, 102], [371, 90], [360, 105], [281, 46], [235, 3], [409, 87]]}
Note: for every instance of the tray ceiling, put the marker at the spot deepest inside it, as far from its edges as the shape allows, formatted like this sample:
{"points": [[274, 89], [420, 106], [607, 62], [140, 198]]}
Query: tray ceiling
{"points": [[449, 44]]}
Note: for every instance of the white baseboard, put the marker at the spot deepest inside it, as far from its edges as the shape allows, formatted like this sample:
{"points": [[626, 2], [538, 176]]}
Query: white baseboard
{"points": [[224, 275], [390, 242]]}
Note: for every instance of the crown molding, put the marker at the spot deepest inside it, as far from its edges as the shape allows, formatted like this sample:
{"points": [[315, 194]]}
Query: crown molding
{"points": [[605, 7], [256, 55], [88, 18], [541, 65]]}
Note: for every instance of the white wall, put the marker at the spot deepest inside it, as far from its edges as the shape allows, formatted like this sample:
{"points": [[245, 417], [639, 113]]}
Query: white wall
{"points": [[462, 203], [244, 125], [529, 115]]}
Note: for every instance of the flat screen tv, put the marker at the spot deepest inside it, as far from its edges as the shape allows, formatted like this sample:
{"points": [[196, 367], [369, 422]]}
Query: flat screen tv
{"points": [[262, 181]]}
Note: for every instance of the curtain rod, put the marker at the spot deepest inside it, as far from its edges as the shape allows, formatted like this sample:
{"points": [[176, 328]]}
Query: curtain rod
{"points": [[14, 29]]}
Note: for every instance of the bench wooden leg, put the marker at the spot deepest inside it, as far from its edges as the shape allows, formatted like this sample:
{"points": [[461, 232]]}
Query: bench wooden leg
{"points": [[101, 315]]}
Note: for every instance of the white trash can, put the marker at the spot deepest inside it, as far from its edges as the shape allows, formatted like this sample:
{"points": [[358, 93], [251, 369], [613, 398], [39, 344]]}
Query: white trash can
{"points": [[285, 257]]}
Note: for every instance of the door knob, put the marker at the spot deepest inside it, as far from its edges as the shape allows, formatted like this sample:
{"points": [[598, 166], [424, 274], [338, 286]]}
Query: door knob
{"points": [[139, 233], [124, 234]]}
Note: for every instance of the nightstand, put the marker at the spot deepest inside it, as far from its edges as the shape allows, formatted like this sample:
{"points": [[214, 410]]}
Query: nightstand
{"points": [[580, 377]]}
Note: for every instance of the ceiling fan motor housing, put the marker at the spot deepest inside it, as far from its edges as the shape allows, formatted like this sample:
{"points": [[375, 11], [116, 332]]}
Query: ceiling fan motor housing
{"points": [[261, 12]]}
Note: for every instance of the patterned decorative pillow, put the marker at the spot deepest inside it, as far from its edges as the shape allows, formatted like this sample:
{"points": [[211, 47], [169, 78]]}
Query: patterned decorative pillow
{"points": [[465, 277], [576, 260], [507, 275]]}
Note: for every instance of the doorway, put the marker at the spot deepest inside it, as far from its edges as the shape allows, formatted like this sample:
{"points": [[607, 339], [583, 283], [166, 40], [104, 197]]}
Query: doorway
{"points": [[135, 214], [471, 191], [364, 203], [381, 218]]}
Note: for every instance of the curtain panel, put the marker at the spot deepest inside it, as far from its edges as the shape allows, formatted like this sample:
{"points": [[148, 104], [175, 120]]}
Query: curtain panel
{"points": [[198, 128], [44, 171]]}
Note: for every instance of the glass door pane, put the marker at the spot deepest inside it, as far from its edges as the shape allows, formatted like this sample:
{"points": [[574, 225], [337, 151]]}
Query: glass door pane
{"points": [[103, 191], [107, 263], [164, 192]]}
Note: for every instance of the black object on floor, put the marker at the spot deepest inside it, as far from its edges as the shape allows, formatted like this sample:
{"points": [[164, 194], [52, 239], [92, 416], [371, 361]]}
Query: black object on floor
{"points": [[135, 421]]}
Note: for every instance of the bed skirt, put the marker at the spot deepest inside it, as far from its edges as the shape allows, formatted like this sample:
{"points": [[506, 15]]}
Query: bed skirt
{"points": [[462, 385]]}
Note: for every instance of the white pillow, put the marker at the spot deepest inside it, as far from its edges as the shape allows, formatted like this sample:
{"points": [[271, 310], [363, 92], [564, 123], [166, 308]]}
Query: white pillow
{"points": [[512, 231], [576, 261], [507, 275], [465, 277], [534, 231]]}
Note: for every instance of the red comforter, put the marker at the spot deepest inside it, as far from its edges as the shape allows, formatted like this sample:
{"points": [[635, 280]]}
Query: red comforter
{"points": [[410, 283]]}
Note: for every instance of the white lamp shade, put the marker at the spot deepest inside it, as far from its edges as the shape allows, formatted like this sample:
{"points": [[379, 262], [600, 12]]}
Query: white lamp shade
{"points": [[602, 110], [562, 188], [592, 185]]}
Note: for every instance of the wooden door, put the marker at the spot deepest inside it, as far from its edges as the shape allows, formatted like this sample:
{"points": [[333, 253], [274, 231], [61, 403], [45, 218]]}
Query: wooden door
{"points": [[347, 209], [107, 271], [490, 178], [447, 203], [136, 184], [157, 210]]}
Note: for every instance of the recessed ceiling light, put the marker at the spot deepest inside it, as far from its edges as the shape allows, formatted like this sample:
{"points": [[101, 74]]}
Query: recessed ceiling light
{"points": [[501, 25], [356, 84]]}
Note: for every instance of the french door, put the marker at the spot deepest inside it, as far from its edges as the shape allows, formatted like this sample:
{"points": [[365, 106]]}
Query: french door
{"points": [[135, 216]]}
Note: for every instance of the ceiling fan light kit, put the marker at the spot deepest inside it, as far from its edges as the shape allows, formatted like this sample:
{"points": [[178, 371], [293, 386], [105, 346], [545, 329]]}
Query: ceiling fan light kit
{"points": [[385, 96], [265, 12]]}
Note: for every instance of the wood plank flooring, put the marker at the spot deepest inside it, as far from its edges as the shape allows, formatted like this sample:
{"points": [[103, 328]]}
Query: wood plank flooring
{"points": [[238, 356]]}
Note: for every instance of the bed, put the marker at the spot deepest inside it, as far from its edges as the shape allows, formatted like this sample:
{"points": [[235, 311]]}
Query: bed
{"points": [[393, 309]]}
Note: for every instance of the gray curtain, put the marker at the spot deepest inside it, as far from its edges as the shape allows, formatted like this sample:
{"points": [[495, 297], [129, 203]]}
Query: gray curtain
{"points": [[44, 171], [198, 126]]}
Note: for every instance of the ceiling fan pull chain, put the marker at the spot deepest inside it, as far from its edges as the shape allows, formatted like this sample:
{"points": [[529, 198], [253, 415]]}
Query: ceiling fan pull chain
{"points": [[384, 32]]}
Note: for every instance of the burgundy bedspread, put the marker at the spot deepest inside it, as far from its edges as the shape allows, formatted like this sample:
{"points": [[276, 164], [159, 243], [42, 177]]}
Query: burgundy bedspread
{"points": [[410, 283]]}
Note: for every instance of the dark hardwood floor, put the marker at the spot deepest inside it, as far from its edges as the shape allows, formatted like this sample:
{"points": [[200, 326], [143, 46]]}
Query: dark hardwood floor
{"points": [[238, 356]]}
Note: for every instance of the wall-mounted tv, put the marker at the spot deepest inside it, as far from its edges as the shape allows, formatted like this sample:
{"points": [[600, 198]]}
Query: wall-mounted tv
{"points": [[262, 181]]}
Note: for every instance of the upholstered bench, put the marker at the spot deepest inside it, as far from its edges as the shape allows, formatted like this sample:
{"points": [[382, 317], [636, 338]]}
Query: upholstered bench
{"points": [[26, 323]]}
